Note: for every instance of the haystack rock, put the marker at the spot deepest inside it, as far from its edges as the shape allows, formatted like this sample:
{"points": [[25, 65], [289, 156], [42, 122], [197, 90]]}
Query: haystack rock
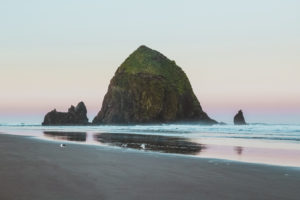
{"points": [[150, 88], [74, 116], [239, 118]]}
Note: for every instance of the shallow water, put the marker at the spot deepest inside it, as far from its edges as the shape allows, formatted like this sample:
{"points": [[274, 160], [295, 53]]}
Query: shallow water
{"points": [[260, 143]]}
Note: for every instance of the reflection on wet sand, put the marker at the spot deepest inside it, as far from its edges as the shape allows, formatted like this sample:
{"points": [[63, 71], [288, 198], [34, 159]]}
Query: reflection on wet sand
{"points": [[70, 136], [164, 144]]}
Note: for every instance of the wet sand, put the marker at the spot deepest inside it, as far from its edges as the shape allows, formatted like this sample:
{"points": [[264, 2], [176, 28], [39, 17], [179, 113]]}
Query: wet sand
{"points": [[36, 169]]}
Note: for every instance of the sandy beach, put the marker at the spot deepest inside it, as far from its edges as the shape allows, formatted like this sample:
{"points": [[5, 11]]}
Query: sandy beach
{"points": [[36, 169]]}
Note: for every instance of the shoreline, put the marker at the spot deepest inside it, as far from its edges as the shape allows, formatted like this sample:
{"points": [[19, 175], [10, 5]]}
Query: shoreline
{"points": [[199, 148], [42, 170]]}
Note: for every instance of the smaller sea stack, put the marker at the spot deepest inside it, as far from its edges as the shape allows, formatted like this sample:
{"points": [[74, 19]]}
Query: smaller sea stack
{"points": [[239, 118], [74, 116]]}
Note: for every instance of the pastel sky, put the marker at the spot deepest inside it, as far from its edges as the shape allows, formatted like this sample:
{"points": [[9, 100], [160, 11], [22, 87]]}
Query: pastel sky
{"points": [[237, 54]]}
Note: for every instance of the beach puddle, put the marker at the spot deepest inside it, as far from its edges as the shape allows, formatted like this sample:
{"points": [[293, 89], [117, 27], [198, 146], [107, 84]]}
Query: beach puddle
{"points": [[70, 136], [158, 143]]}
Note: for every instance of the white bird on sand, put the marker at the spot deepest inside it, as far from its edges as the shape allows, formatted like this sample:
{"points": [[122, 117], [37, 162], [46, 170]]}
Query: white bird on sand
{"points": [[62, 145]]}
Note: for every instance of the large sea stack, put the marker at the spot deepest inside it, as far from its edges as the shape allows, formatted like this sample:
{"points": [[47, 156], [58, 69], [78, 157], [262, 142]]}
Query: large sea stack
{"points": [[74, 116], [239, 118], [150, 88]]}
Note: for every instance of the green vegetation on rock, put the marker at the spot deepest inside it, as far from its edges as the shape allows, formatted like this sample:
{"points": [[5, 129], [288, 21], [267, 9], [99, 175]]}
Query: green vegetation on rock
{"points": [[148, 61]]}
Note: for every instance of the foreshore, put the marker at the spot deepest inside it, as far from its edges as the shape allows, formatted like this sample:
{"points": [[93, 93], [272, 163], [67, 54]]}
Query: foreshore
{"points": [[37, 169]]}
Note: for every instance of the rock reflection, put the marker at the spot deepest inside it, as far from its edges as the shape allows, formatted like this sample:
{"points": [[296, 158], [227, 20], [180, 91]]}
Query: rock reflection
{"points": [[70, 136], [164, 144], [239, 150]]}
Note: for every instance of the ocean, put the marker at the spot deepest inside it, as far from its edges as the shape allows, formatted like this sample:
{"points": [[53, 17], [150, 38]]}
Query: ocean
{"points": [[274, 144]]}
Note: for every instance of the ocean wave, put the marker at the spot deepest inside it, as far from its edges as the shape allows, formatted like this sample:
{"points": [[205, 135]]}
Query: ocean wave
{"points": [[251, 131]]}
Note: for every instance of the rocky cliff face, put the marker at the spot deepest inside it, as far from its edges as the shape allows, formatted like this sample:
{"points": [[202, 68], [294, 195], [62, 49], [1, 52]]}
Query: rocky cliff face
{"points": [[150, 88], [74, 116], [239, 118]]}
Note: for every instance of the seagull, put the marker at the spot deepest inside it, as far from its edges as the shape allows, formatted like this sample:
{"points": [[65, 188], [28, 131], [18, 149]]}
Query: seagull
{"points": [[62, 145]]}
